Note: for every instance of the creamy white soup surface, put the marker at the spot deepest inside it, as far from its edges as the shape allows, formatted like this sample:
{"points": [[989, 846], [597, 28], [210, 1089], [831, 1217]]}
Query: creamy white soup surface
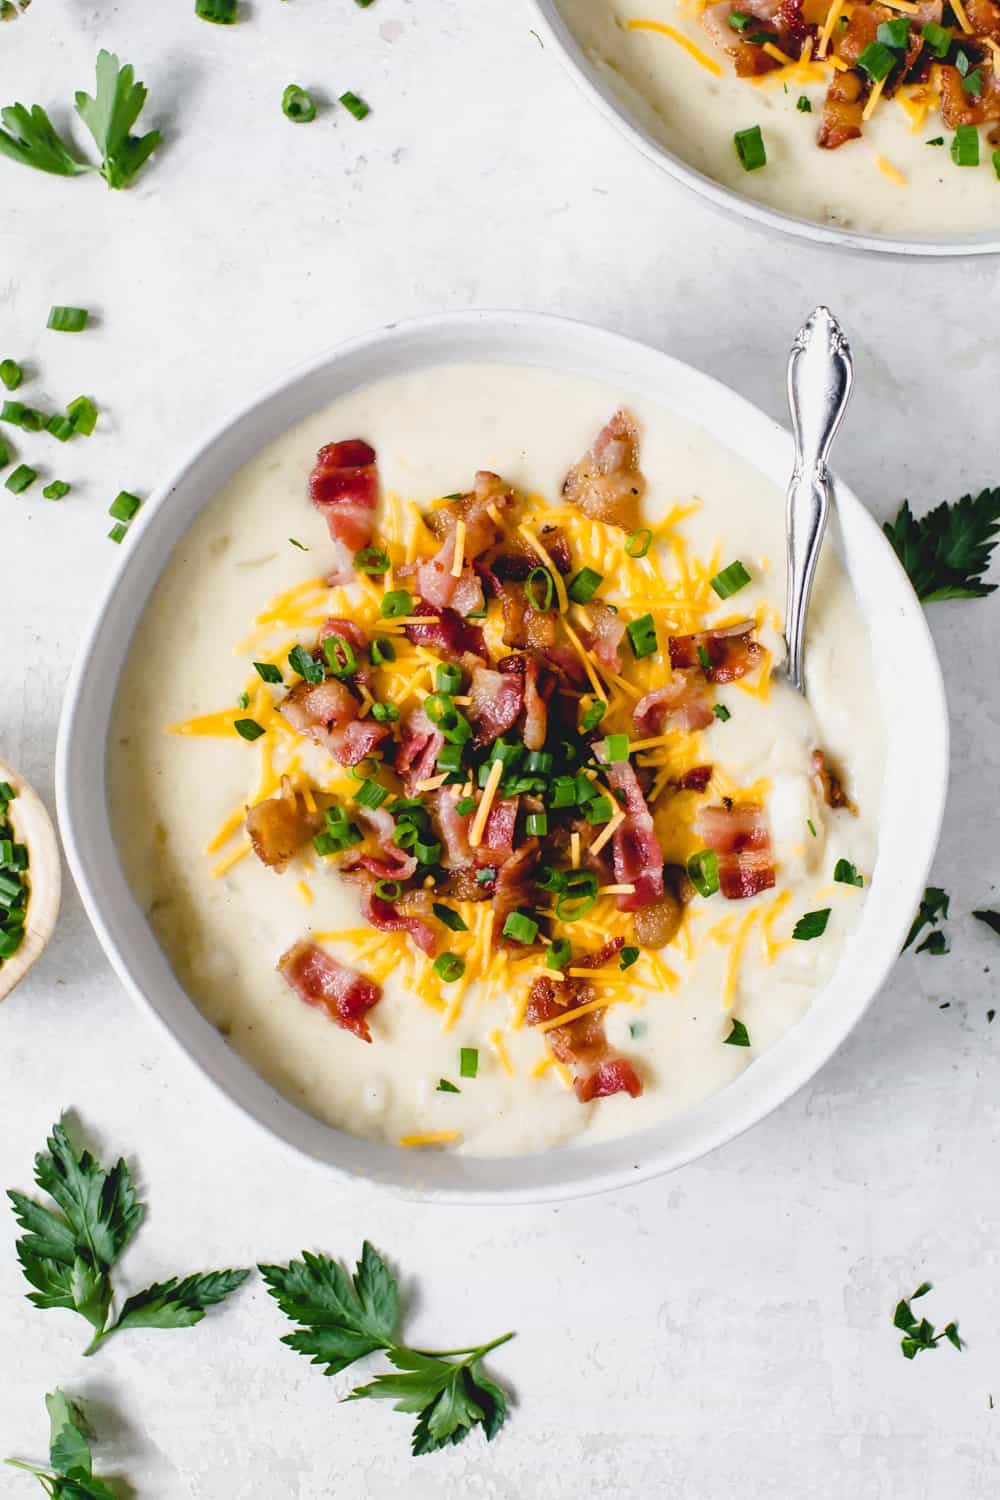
{"points": [[888, 181], [237, 590]]}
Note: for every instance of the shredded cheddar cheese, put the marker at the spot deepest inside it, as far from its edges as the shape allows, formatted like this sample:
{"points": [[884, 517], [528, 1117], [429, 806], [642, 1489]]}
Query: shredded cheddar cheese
{"points": [[486, 802], [888, 170], [689, 47], [430, 1138], [458, 560]]}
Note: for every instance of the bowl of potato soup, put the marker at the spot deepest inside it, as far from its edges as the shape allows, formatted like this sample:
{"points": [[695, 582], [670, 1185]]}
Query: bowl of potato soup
{"points": [[431, 776]]}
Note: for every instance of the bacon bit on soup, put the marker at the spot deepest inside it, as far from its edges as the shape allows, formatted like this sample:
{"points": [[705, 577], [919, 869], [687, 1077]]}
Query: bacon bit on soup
{"points": [[604, 634], [682, 702], [320, 980], [581, 1044], [446, 632], [495, 703], [831, 784], [327, 712], [738, 834], [695, 780], [616, 1075], [723, 655], [281, 826], [607, 483], [344, 486], [387, 916], [638, 859]]}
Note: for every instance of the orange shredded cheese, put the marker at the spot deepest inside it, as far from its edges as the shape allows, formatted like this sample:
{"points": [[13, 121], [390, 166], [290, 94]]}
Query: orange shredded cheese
{"points": [[483, 810], [682, 41], [430, 1138], [888, 170]]}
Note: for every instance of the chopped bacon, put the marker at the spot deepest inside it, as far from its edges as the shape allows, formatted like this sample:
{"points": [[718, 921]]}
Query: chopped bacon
{"points": [[567, 664], [739, 836], [496, 702], [514, 559], [749, 59], [843, 108], [398, 917], [581, 1044], [614, 1076], [831, 784], [418, 749], [730, 651], [536, 689], [683, 702], [498, 836], [481, 530], [984, 16], [320, 980], [695, 780], [606, 636], [394, 863], [790, 21], [607, 483], [280, 826], [523, 627], [961, 108], [439, 587], [344, 485], [454, 638], [638, 859], [512, 887], [453, 827], [355, 637], [327, 712]]}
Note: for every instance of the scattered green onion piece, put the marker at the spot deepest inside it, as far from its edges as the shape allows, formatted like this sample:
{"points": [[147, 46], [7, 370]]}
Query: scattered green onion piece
{"points": [[585, 585], [124, 506], [721, 712], [340, 657], [937, 39], [599, 810], [405, 836], [363, 3], [381, 650], [593, 716], [267, 671], [67, 319], [60, 427], [562, 791], [486, 875], [558, 954], [539, 579], [301, 545], [703, 872], [739, 20], [750, 148], [449, 917], [447, 677], [639, 542], [388, 890], [427, 854], [846, 874], [628, 957], [449, 757], [965, 146], [302, 661], [25, 417], [586, 791], [938, 140], [221, 12], [642, 634], [537, 824], [577, 896], [803, 105], [704, 659], [995, 159], [355, 106], [298, 105], [370, 794], [10, 941], [83, 414], [444, 1087], [4, 455], [539, 762], [468, 1062], [738, 1036], [616, 747], [465, 805], [894, 33], [449, 967], [551, 879], [385, 713], [10, 373], [812, 925], [972, 83], [877, 60], [10, 888], [962, 62], [521, 928], [509, 752], [731, 580], [396, 603], [243, 701], [811, 827], [7, 792], [372, 560], [20, 479], [248, 729]]}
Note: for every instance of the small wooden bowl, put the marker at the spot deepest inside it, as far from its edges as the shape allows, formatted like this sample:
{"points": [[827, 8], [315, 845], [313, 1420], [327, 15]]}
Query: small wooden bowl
{"points": [[33, 827]]}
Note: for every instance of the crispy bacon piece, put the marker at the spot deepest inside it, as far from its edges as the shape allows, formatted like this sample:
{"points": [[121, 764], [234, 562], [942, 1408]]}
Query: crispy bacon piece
{"points": [[567, 665], [636, 853], [961, 108], [320, 980], [481, 529], [393, 863], [606, 636], [344, 486], [842, 110], [398, 916], [739, 835], [453, 827], [607, 483], [683, 701], [497, 698], [984, 16], [536, 690], [512, 887], [498, 836], [524, 627], [439, 587], [749, 59], [513, 559], [731, 651], [280, 826], [419, 745], [448, 634], [581, 1044], [614, 1076], [831, 784], [354, 636], [695, 780], [327, 712]]}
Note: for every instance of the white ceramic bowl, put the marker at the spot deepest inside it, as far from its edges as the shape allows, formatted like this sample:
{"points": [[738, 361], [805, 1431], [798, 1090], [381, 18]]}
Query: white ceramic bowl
{"points": [[909, 682], [600, 93]]}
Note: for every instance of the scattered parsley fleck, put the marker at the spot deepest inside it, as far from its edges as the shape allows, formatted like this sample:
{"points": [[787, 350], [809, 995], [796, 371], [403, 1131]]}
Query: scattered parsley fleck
{"points": [[919, 1335], [811, 925], [738, 1036], [933, 908]]}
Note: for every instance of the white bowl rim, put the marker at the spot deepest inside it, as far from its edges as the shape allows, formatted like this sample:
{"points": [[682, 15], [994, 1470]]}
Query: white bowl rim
{"points": [[91, 853], [573, 58]]}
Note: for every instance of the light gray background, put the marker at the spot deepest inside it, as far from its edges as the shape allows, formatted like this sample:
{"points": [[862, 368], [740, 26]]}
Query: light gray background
{"points": [[724, 1331]]}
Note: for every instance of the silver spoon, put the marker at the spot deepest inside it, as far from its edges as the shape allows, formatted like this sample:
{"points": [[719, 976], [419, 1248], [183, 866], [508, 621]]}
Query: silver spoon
{"points": [[820, 377]]}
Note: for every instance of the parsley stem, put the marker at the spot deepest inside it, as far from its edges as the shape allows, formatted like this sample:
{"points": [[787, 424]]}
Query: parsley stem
{"points": [[478, 1352]]}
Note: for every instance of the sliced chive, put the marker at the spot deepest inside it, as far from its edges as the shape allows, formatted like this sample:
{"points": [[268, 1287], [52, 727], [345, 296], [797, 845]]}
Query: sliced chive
{"points": [[298, 105], [811, 827], [56, 490], [558, 954], [593, 715], [221, 12], [704, 659], [60, 427], [373, 560], [937, 140], [486, 875], [248, 729], [267, 671], [385, 713], [540, 590], [449, 917], [642, 635], [447, 677], [803, 105], [395, 603], [750, 148], [388, 890], [537, 824], [739, 20], [339, 654], [585, 585], [443, 1086], [370, 794], [468, 1062], [243, 701], [67, 319], [20, 479], [972, 83], [28, 418], [965, 146], [937, 39], [639, 542], [449, 967], [355, 106], [521, 928], [83, 414], [894, 33], [846, 874], [877, 60], [616, 747], [599, 810], [721, 712], [995, 159], [811, 925], [628, 957], [4, 454], [703, 872], [577, 896], [730, 580], [10, 373], [427, 853], [381, 651], [124, 506], [738, 1036], [465, 805], [296, 543]]}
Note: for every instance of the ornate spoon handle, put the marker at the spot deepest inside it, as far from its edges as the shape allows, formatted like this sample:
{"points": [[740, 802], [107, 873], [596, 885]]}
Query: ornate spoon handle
{"points": [[820, 376]]}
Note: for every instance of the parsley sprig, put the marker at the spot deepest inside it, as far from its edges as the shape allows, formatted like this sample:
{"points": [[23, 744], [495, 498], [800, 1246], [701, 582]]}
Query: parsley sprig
{"points": [[947, 551], [71, 1462], [920, 1334], [343, 1318], [933, 909], [29, 137], [68, 1256]]}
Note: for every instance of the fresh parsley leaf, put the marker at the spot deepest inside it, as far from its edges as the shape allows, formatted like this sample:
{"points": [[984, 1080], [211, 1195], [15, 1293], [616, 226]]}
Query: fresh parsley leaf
{"points": [[31, 138], [847, 874], [738, 1036], [811, 925], [68, 1256], [934, 943], [344, 1318], [947, 551], [109, 116], [991, 919], [70, 1458], [920, 1335], [933, 908]]}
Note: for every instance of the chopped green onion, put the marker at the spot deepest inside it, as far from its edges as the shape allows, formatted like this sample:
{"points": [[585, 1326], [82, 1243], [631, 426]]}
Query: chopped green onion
{"points": [[846, 874], [447, 677], [731, 580], [739, 20], [124, 506], [340, 657], [68, 319], [558, 954], [248, 729], [372, 560], [577, 896], [995, 159], [750, 148], [10, 889], [539, 579], [721, 712], [385, 713], [962, 62], [937, 39], [539, 762], [363, 3], [83, 414], [562, 791], [877, 60], [7, 792], [355, 106], [509, 752], [965, 146], [642, 634], [4, 454], [405, 836], [803, 105], [972, 83], [298, 105], [118, 532], [585, 585], [381, 650], [811, 827], [938, 140], [396, 603], [10, 373], [628, 957], [703, 872], [738, 1036], [302, 661], [444, 1087], [370, 794], [267, 671], [427, 854], [704, 658], [537, 824], [616, 747], [449, 917], [60, 427], [388, 890], [486, 875], [26, 417], [56, 490], [465, 805], [301, 545], [468, 1062], [894, 33], [10, 941], [521, 928], [445, 716], [593, 716], [222, 12], [20, 479], [812, 925], [449, 757], [639, 542], [599, 810], [243, 701], [551, 879]]}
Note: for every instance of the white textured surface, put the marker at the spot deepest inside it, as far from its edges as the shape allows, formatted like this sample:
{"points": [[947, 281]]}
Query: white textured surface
{"points": [[728, 1329]]}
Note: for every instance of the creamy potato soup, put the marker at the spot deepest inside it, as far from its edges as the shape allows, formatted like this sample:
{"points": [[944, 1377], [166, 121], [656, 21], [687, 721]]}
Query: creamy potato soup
{"points": [[879, 118], [512, 835]]}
